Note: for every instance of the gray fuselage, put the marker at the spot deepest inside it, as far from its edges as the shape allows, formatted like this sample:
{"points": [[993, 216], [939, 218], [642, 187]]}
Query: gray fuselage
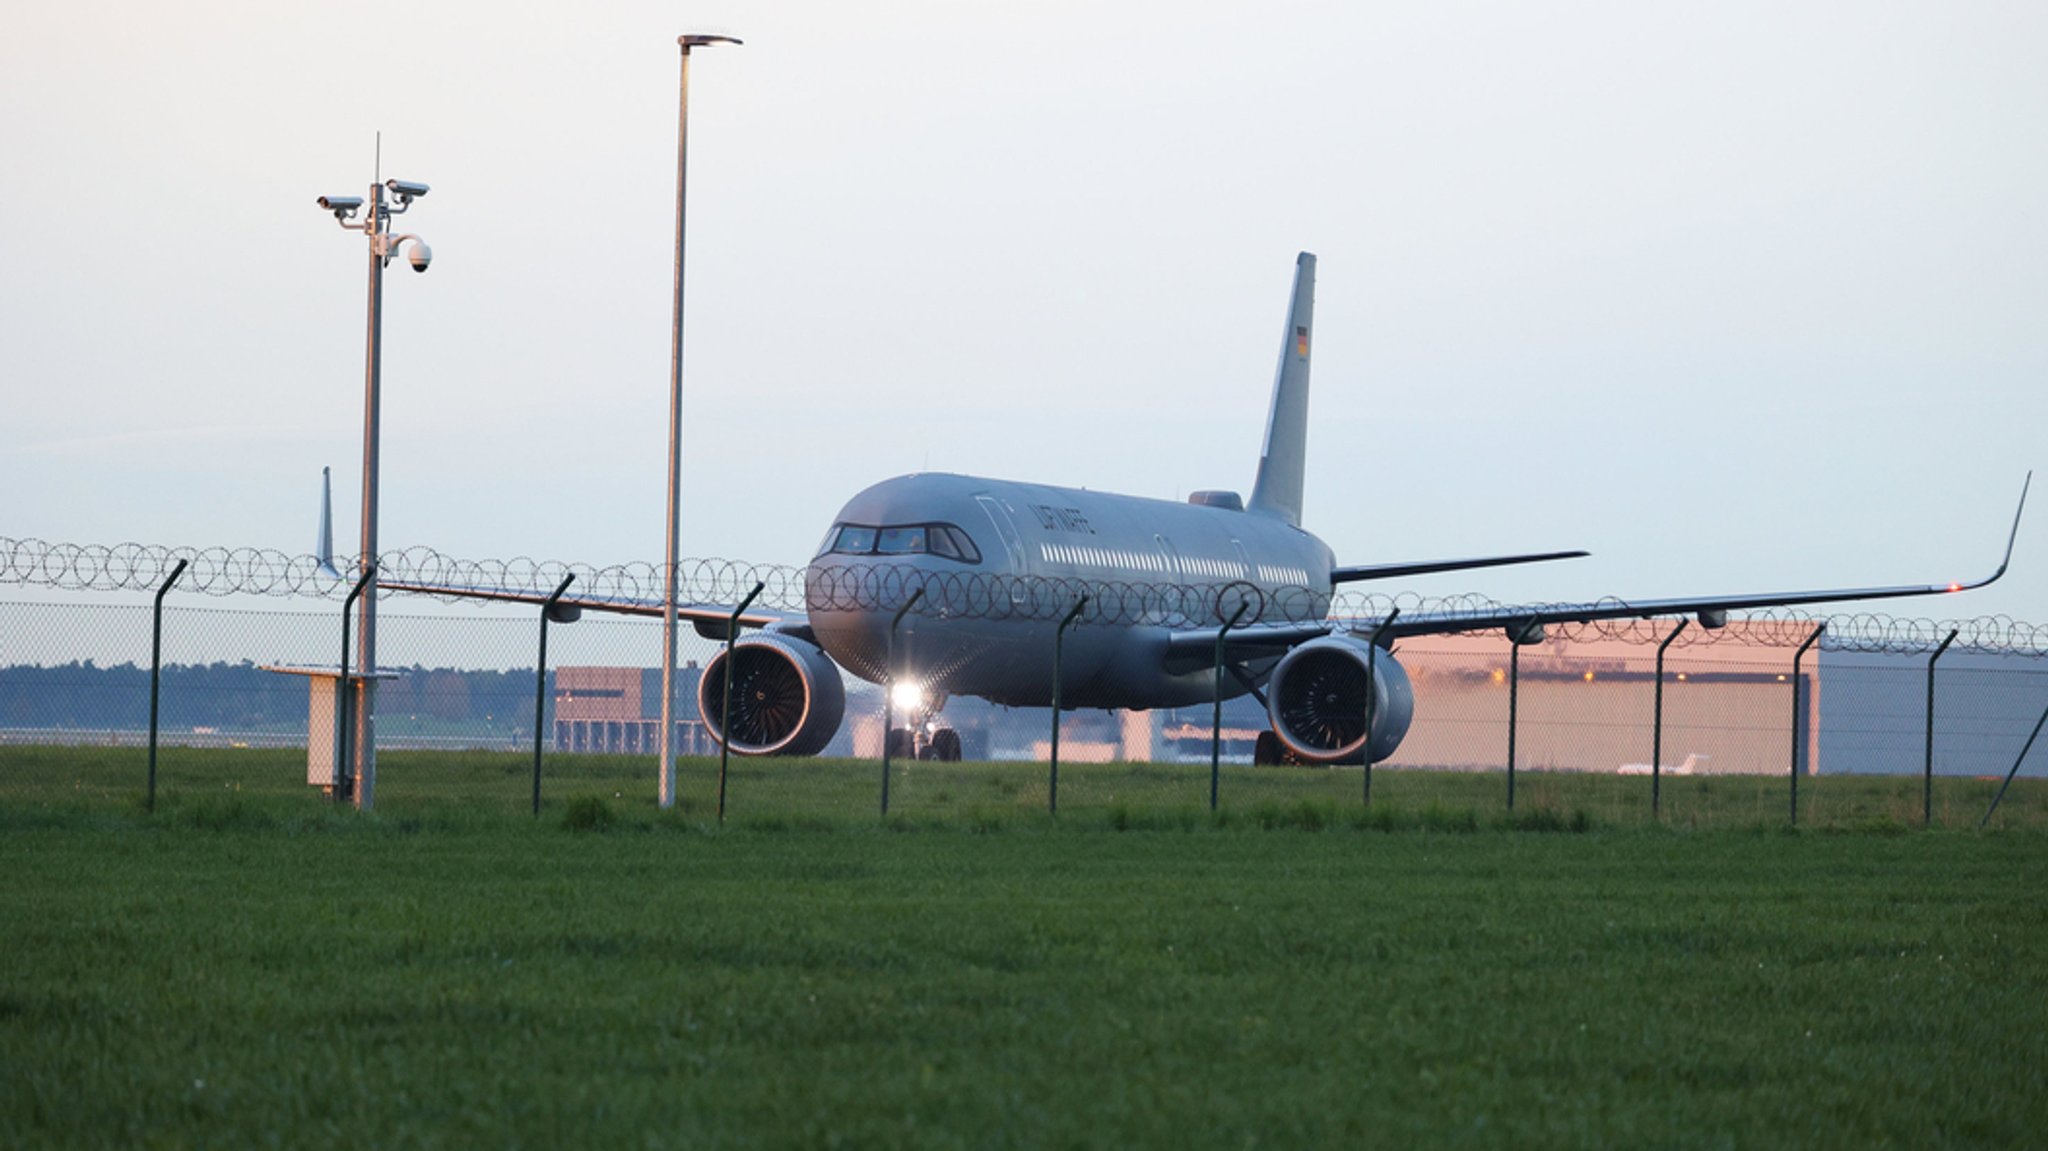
{"points": [[986, 624]]}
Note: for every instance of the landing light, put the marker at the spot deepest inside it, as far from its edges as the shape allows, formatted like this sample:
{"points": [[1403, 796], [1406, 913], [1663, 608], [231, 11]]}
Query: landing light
{"points": [[907, 695]]}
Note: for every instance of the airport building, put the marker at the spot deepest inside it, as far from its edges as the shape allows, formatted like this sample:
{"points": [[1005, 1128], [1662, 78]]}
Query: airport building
{"points": [[1580, 705], [617, 711]]}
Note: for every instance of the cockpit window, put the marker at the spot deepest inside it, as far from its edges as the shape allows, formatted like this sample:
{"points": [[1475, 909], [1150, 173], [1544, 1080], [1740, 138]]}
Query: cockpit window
{"points": [[900, 541], [961, 548], [854, 540], [942, 540]]}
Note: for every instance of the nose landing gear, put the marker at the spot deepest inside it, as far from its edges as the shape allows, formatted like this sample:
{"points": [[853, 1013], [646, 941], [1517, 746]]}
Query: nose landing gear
{"points": [[936, 744], [922, 737]]}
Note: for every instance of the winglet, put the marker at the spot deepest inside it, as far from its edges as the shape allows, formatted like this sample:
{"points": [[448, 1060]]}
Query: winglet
{"points": [[2009, 540], [324, 549]]}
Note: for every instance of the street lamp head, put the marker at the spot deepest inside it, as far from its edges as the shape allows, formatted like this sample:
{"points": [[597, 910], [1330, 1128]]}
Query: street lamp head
{"points": [[700, 39], [343, 207]]}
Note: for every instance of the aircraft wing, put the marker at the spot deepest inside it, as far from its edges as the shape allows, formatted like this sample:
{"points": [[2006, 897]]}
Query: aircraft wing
{"points": [[1393, 571], [710, 620], [1711, 610], [1195, 647], [1192, 648]]}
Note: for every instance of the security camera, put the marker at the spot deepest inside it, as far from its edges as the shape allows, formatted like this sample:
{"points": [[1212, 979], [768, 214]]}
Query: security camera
{"points": [[343, 207], [406, 189], [419, 255]]}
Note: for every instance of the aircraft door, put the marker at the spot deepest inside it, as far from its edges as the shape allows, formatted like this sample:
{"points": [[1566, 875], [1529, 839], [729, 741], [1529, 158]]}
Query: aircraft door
{"points": [[1244, 557], [1172, 610], [1171, 557], [999, 516], [1017, 591]]}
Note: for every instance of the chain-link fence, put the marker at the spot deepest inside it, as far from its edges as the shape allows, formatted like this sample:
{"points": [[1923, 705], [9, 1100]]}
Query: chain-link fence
{"points": [[1585, 708]]}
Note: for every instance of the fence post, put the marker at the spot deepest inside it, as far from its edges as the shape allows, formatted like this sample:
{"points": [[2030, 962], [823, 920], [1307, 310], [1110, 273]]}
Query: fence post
{"points": [[1216, 725], [156, 654], [345, 696], [732, 635], [1798, 714], [1531, 632], [1059, 637], [1657, 728], [1372, 661], [1927, 779], [548, 610], [2022, 758], [889, 693]]}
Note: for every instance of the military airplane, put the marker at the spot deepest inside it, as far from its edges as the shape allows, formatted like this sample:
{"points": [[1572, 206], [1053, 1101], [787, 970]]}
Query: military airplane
{"points": [[940, 584]]}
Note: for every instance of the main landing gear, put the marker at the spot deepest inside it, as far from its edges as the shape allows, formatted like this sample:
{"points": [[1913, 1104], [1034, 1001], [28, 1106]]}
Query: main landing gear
{"points": [[939, 744], [1269, 751]]}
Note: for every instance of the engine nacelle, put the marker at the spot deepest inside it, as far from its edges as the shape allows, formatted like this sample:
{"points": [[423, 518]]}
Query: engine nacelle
{"points": [[787, 697], [1317, 695]]}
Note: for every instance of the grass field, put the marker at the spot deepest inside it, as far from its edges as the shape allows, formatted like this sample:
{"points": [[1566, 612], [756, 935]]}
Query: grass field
{"points": [[250, 966], [458, 786]]}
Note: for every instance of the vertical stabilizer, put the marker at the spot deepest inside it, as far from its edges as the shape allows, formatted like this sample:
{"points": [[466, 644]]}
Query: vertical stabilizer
{"points": [[1277, 492], [324, 547]]}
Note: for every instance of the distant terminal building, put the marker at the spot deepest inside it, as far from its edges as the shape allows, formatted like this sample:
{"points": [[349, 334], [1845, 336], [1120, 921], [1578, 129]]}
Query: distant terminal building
{"points": [[1586, 704], [1589, 704], [617, 710]]}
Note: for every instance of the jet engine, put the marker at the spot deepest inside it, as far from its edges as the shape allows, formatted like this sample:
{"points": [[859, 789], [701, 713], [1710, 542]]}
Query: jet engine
{"points": [[1317, 700], [787, 697]]}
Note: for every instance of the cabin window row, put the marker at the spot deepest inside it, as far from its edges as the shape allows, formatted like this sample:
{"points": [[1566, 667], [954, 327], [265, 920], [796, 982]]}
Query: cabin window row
{"points": [[1081, 555]]}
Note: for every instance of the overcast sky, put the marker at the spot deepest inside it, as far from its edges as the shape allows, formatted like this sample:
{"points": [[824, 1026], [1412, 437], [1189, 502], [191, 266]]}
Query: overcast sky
{"points": [[1741, 297]]}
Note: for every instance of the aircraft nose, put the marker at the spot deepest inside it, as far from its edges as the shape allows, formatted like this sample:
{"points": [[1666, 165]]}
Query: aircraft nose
{"points": [[856, 640], [846, 615]]}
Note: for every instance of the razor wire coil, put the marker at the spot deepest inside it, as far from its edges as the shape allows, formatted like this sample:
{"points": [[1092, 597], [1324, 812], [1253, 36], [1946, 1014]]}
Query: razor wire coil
{"points": [[220, 571]]}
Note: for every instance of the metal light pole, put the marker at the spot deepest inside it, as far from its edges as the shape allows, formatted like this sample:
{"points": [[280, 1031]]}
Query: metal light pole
{"points": [[675, 435], [383, 245]]}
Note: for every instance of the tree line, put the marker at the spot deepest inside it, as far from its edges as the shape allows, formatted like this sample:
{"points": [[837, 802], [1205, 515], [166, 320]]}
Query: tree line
{"points": [[237, 696]]}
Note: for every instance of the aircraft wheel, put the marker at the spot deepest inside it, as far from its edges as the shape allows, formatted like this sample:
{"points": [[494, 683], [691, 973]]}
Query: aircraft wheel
{"points": [[945, 745], [1267, 750], [902, 743]]}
